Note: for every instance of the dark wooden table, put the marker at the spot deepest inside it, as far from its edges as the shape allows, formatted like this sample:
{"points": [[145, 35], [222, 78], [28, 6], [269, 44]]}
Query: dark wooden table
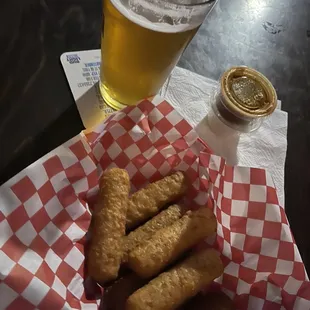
{"points": [[37, 111]]}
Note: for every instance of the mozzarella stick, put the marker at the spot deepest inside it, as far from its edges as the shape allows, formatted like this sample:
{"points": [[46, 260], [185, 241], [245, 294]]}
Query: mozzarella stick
{"points": [[108, 229], [148, 201], [146, 231], [170, 289], [167, 244]]}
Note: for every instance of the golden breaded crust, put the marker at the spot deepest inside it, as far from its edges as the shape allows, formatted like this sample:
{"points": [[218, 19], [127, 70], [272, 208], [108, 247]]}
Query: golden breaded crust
{"points": [[145, 232], [108, 227], [148, 201], [170, 289], [167, 244]]}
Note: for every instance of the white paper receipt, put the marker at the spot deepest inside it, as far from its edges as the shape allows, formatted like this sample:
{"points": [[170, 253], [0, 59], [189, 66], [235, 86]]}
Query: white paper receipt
{"points": [[82, 70]]}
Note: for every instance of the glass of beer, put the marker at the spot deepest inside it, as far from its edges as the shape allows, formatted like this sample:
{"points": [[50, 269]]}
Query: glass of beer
{"points": [[142, 40]]}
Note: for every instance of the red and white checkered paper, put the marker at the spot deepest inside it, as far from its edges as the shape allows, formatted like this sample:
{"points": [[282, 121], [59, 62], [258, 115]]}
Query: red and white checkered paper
{"points": [[45, 214]]}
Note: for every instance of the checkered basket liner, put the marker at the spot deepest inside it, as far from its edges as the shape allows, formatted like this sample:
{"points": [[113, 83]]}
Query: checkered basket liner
{"points": [[45, 214]]}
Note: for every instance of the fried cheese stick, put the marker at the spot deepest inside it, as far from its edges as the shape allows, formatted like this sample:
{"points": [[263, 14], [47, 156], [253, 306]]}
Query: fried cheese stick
{"points": [[108, 229], [168, 243], [146, 231], [148, 201], [170, 289]]}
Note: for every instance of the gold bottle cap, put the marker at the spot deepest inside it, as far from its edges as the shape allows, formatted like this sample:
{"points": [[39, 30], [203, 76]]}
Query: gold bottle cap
{"points": [[248, 93]]}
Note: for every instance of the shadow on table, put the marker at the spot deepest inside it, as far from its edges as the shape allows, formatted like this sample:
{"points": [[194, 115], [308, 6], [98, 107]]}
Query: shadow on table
{"points": [[44, 142], [92, 107]]}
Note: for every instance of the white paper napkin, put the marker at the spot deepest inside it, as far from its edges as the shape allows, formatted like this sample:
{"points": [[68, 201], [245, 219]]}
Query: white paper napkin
{"points": [[191, 95]]}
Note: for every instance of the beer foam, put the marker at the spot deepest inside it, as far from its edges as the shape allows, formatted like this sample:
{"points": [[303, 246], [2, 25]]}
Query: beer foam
{"points": [[131, 12]]}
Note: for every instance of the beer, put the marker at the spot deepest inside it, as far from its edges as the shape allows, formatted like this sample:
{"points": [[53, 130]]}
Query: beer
{"points": [[138, 55]]}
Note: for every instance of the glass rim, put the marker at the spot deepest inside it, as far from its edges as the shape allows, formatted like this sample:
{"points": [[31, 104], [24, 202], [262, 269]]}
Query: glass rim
{"points": [[175, 2]]}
